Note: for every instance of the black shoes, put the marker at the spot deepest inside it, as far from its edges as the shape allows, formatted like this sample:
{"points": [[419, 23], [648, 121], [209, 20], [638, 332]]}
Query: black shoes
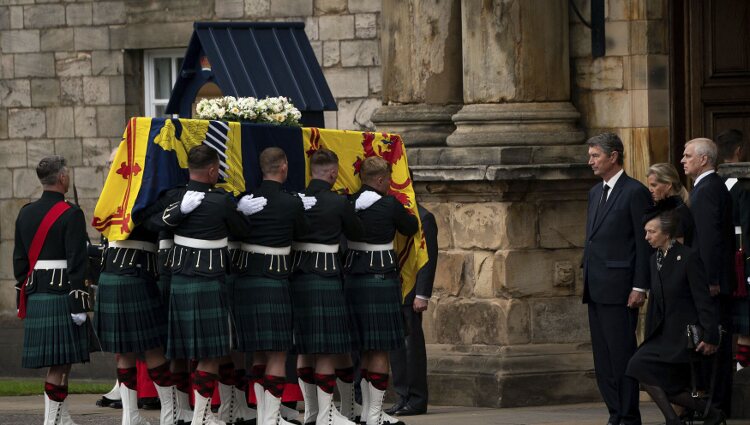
{"points": [[396, 407], [106, 402], [409, 411]]}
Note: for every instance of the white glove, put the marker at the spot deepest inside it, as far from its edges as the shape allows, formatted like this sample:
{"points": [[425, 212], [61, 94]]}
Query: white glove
{"points": [[190, 201], [79, 318], [366, 199], [308, 201], [249, 205]]}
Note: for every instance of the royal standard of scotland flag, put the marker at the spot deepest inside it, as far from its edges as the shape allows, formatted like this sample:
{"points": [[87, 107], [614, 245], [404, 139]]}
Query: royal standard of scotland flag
{"points": [[152, 158]]}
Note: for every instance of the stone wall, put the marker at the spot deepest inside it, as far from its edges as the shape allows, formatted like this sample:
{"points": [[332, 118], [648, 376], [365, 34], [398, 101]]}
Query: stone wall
{"points": [[626, 91], [71, 74]]}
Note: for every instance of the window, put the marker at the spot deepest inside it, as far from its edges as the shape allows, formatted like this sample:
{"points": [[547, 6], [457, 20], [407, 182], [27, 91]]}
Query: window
{"points": [[160, 69]]}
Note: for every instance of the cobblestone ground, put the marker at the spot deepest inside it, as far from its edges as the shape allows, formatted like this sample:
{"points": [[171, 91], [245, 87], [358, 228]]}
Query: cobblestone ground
{"points": [[29, 410]]}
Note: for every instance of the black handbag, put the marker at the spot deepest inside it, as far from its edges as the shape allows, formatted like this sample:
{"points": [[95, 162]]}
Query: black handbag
{"points": [[694, 336]]}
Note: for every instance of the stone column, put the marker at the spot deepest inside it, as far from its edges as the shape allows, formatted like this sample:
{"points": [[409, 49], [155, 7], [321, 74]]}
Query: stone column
{"points": [[516, 75], [421, 59]]}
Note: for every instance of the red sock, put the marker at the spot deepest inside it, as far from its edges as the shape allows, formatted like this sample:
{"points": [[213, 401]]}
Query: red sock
{"points": [[56, 392], [226, 374], [306, 374], [161, 375], [204, 383], [182, 381], [325, 382], [345, 375], [128, 377], [274, 385], [378, 380]]}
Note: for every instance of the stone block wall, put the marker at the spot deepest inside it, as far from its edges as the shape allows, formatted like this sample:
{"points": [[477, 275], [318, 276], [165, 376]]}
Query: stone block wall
{"points": [[508, 271], [626, 91], [71, 73]]}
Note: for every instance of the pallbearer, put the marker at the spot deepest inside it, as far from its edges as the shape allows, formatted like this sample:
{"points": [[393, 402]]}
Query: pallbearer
{"points": [[49, 263], [372, 286], [130, 320], [262, 306], [200, 216]]}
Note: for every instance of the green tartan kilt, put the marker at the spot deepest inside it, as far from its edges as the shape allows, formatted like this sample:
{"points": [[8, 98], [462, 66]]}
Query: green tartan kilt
{"points": [[129, 315], [228, 295], [198, 319], [741, 316], [50, 337], [262, 314], [375, 309], [163, 284], [321, 321]]}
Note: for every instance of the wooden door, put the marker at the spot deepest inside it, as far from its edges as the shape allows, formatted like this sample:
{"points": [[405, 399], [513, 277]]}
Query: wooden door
{"points": [[710, 69]]}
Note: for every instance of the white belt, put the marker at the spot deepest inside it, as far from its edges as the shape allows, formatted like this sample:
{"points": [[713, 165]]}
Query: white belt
{"points": [[166, 243], [267, 250], [315, 247], [143, 246], [50, 264], [200, 243], [235, 245], [364, 246]]}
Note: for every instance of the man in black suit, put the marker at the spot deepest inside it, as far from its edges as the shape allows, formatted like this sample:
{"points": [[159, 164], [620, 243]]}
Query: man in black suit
{"points": [[711, 205], [409, 364], [732, 149], [616, 274]]}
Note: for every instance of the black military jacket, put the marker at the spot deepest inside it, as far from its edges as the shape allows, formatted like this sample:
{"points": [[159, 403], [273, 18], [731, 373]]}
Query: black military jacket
{"points": [[132, 262], [215, 218], [332, 215], [66, 240], [381, 222], [280, 222]]}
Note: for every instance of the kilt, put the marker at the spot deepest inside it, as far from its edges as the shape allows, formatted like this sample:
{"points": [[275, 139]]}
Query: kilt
{"points": [[50, 337], [741, 316], [321, 322], [129, 315], [374, 302], [229, 296], [262, 314], [198, 326]]}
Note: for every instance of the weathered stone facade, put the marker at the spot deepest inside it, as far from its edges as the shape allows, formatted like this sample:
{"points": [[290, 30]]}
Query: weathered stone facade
{"points": [[494, 98]]}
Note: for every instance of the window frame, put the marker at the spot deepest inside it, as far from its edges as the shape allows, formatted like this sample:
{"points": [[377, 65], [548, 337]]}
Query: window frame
{"points": [[149, 88]]}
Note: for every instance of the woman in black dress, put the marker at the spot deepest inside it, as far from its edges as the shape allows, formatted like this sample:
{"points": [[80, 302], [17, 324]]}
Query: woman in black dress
{"points": [[679, 297], [665, 187]]}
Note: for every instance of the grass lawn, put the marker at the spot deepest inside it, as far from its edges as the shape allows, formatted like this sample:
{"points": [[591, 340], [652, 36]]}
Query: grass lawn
{"points": [[11, 387]]}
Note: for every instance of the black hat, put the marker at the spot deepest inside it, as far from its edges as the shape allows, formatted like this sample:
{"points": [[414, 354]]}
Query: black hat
{"points": [[665, 205]]}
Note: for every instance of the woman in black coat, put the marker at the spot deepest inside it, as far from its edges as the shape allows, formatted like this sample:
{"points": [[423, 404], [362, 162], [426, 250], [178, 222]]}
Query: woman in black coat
{"points": [[679, 297], [665, 187]]}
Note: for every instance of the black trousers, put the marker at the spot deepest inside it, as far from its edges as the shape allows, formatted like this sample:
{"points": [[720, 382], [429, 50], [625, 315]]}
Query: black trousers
{"points": [[613, 341], [409, 364], [725, 367]]}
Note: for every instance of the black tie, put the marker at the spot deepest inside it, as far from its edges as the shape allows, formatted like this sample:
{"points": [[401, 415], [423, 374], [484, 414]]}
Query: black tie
{"points": [[602, 201]]}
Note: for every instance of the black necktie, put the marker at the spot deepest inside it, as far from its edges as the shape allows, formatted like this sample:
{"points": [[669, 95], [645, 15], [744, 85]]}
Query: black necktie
{"points": [[602, 201]]}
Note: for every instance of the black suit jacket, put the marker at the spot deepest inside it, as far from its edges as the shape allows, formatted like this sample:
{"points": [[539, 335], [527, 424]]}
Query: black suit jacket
{"points": [[740, 193], [711, 205], [679, 297], [426, 275], [615, 257]]}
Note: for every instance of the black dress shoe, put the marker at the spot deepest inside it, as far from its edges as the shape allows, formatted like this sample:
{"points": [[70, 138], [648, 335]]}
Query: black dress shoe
{"points": [[106, 402], [409, 411], [396, 407]]}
